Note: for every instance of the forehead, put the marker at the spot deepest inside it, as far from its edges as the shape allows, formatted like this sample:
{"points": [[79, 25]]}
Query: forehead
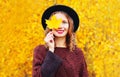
{"points": [[60, 15]]}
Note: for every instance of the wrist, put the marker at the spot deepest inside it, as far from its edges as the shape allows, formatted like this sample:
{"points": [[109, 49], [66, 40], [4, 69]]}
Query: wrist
{"points": [[51, 49]]}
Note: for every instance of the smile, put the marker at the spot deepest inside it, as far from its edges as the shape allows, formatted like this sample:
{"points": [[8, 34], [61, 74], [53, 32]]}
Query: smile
{"points": [[60, 31]]}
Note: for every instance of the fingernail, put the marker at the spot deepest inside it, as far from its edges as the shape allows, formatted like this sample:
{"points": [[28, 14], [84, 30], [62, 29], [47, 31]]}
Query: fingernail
{"points": [[51, 41]]}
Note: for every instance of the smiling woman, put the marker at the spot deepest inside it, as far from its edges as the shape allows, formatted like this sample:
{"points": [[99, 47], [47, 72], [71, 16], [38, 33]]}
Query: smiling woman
{"points": [[65, 29], [60, 57]]}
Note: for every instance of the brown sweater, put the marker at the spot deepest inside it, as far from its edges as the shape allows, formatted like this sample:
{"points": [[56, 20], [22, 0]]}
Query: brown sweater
{"points": [[61, 63]]}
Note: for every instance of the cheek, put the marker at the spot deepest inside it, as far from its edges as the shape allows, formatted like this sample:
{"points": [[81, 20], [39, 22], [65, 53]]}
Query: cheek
{"points": [[66, 27], [54, 31]]}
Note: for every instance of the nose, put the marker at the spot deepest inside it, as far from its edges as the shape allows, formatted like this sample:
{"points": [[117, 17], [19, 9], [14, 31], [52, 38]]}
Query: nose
{"points": [[61, 26]]}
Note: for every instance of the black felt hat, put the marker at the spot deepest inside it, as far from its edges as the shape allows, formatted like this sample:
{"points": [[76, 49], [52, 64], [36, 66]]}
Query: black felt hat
{"points": [[47, 13]]}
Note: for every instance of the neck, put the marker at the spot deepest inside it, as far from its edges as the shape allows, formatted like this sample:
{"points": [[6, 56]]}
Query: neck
{"points": [[60, 41]]}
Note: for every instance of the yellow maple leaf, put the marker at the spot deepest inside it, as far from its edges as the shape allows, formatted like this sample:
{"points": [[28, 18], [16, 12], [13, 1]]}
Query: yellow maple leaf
{"points": [[53, 22]]}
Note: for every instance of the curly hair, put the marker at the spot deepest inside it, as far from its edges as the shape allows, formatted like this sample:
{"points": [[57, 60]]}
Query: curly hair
{"points": [[70, 37]]}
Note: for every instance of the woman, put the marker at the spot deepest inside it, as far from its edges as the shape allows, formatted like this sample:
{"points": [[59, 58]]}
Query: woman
{"points": [[60, 57]]}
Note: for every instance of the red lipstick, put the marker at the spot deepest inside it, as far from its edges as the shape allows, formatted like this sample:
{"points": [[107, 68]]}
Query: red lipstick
{"points": [[60, 31]]}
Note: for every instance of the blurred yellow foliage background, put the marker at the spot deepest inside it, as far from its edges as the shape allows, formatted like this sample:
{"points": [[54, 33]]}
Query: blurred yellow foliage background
{"points": [[98, 35]]}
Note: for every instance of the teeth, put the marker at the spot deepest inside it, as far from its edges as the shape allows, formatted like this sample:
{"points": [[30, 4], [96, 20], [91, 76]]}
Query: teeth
{"points": [[60, 31]]}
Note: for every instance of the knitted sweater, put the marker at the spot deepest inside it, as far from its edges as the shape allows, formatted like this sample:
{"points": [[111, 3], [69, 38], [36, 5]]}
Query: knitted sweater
{"points": [[61, 63]]}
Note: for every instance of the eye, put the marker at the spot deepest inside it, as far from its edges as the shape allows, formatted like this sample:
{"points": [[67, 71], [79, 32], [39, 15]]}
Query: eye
{"points": [[64, 22]]}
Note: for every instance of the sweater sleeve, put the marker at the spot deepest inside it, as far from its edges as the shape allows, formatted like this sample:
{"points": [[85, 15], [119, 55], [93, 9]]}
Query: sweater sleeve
{"points": [[45, 67], [50, 65], [83, 70]]}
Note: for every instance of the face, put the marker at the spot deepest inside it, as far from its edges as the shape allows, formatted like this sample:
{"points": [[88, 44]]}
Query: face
{"points": [[63, 28]]}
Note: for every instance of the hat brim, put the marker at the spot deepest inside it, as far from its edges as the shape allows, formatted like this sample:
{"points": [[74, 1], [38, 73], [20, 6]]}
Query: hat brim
{"points": [[47, 13]]}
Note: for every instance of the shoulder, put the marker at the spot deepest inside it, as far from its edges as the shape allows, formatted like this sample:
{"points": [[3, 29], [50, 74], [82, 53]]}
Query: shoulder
{"points": [[80, 55], [78, 51], [40, 49]]}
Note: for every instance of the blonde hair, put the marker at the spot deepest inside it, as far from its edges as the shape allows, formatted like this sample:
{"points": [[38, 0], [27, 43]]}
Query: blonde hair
{"points": [[70, 37]]}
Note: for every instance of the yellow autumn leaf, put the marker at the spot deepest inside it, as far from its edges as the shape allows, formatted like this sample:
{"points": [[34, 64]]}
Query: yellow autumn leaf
{"points": [[53, 22]]}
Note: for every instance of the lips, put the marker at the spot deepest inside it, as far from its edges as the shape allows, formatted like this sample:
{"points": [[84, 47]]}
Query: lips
{"points": [[60, 31]]}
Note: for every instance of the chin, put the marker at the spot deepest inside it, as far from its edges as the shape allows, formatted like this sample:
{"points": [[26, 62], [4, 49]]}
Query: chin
{"points": [[60, 36]]}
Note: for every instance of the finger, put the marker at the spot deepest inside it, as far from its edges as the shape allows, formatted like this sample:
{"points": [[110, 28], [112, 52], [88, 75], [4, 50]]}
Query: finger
{"points": [[49, 33], [51, 41], [50, 36], [47, 39]]}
